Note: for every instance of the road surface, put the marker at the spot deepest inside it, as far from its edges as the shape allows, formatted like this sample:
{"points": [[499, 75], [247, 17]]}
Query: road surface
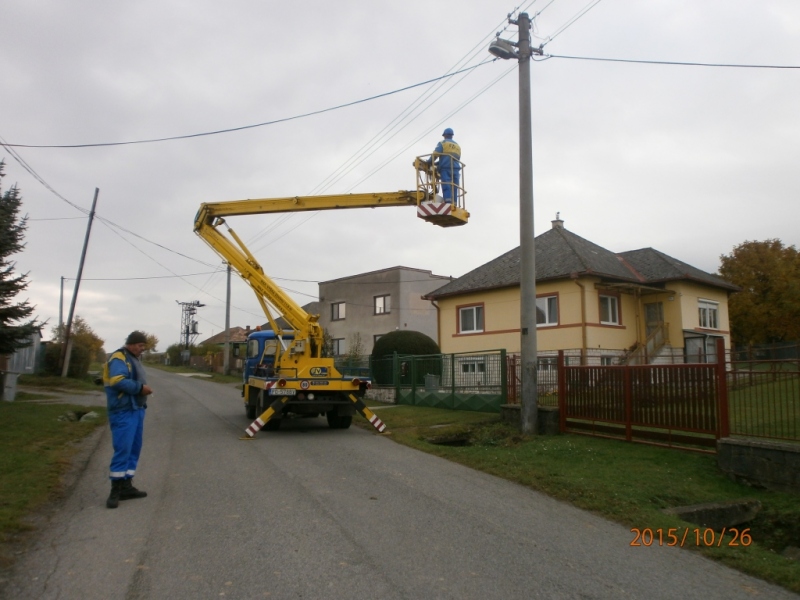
{"points": [[309, 512]]}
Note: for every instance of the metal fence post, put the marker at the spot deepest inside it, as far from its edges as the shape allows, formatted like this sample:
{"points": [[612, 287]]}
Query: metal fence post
{"points": [[724, 425], [628, 407], [503, 378], [562, 393], [453, 380], [396, 377]]}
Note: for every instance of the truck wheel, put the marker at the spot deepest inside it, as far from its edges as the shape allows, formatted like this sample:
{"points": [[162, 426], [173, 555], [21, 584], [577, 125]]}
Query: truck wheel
{"points": [[336, 421]]}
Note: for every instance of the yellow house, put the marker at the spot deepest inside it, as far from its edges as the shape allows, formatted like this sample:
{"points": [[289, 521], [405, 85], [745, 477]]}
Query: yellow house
{"points": [[634, 307]]}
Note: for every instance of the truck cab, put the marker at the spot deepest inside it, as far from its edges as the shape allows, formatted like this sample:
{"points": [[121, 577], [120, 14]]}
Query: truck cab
{"points": [[305, 395]]}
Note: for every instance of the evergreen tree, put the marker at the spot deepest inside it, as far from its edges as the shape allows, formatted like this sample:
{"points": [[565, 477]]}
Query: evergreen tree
{"points": [[15, 330]]}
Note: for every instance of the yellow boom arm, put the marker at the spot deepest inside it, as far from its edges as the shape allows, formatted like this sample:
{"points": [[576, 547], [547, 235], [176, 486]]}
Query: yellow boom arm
{"points": [[307, 340]]}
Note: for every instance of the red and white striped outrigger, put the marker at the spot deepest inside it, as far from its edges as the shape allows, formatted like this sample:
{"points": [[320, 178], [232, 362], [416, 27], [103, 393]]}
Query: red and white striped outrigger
{"points": [[279, 401]]}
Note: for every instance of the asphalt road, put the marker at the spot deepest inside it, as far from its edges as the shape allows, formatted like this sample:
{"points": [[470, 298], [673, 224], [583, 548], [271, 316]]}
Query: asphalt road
{"points": [[308, 512]]}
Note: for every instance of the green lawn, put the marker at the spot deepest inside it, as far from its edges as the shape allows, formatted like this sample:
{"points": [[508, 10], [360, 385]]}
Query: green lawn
{"points": [[768, 409], [627, 483], [35, 451]]}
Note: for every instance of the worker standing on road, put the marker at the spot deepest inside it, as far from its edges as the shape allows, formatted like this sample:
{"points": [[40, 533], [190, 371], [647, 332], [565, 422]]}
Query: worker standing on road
{"points": [[448, 162], [126, 396]]}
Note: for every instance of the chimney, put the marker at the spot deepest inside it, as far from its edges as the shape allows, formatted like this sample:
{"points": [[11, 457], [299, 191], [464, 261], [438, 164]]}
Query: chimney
{"points": [[558, 223], [247, 328]]}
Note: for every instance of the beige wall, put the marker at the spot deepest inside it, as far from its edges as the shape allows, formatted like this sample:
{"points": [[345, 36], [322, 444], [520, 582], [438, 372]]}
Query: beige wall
{"points": [[688, 295], [502, 307]]}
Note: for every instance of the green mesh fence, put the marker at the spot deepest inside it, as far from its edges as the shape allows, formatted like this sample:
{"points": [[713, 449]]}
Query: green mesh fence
{"points": [[474, 381]]}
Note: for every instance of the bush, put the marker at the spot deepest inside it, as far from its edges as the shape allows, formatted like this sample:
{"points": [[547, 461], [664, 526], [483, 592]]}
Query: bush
{"points": [[79, 361], [403, 342]]}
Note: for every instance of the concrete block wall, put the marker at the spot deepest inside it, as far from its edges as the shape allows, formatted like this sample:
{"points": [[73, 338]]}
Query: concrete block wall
{"points": [[772, 465]]}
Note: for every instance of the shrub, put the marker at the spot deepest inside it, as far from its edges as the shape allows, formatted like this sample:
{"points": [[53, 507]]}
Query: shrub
{"points": [[402, 342]]}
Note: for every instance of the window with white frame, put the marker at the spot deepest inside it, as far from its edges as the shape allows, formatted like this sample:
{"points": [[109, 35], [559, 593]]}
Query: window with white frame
{"points": [[383, 304], [609, 310], [337, 311], [546, 311], [548, 363], [709, 314], [338, 346], [470, 319], [473, 367]]}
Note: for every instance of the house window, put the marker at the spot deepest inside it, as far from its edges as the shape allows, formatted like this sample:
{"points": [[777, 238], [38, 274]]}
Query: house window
{"points": [[473, 367], [383, 304], [606, 361], [548, 363], [547, 311], [337, 311], [337, 346], [709, 314], [470, 319], [609, 310]]}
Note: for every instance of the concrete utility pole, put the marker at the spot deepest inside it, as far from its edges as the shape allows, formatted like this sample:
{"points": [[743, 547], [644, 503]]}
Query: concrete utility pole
{"points": [[530, 371], [66, 349], [61, 305], [226, 361], [530, 377]]}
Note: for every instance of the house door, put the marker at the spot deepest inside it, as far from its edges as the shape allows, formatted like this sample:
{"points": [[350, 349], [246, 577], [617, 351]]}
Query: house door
{"points": [[653, 316], [701, 349]]}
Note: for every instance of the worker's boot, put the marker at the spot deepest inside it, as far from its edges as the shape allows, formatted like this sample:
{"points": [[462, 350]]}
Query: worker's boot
{"points": [[128, 491], [114, 496]]}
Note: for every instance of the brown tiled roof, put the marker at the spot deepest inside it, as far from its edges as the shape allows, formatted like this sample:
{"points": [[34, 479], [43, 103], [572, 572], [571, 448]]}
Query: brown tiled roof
{"points": [[238, 336], [657, 267], [561, 254]]}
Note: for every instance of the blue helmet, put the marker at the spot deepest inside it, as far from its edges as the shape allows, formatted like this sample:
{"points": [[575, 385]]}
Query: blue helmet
{"points": [[447, 132]]}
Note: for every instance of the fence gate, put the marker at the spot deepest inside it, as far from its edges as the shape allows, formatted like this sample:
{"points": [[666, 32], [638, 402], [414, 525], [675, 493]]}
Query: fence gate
{"points": [[676, 405]]}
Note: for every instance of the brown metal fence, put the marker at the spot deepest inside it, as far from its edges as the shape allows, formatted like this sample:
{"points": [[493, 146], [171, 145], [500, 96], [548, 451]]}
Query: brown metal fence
{"points": [[677, 405]]}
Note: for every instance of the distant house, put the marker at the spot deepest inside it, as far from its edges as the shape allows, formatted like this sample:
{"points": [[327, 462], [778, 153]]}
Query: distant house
{"points": [[237, 337], [366, 306], [640, 306], [24, 361]]}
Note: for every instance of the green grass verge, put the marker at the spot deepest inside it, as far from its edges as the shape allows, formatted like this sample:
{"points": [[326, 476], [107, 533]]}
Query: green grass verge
{"points": [[62, 384], [35, 451], [627, 483]]}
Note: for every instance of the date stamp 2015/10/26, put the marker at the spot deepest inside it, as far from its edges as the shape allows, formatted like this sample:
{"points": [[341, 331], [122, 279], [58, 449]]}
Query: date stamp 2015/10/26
{"points": [[699, 537]]}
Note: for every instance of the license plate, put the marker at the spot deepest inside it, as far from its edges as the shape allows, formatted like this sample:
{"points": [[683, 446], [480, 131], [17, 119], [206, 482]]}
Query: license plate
{"points": [[282, 392]]}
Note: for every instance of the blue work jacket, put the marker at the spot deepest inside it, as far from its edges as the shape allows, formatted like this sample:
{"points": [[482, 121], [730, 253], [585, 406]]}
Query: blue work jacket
{"points": [[446, 149], [123, 388]]}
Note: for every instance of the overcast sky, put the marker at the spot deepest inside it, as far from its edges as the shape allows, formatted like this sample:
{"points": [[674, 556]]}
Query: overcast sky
{"points": [[689, 160]]}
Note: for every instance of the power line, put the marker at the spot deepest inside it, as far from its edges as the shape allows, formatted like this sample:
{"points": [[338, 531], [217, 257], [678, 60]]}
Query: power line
{"points": [[57, 219], [570, 22], [244, 127], [676, 63], [138, 278]]}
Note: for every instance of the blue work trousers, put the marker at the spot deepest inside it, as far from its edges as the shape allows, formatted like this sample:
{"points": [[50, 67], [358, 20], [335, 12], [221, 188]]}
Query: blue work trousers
{"points": [[127, 427], [450, 180]]}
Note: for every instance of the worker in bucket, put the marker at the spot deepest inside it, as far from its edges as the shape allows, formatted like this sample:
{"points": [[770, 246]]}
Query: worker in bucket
{"points": [[126, 387], [447, 158]]}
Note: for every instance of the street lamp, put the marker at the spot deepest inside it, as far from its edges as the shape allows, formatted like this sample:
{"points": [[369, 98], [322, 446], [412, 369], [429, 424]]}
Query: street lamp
{"points": [[522, 52]]}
